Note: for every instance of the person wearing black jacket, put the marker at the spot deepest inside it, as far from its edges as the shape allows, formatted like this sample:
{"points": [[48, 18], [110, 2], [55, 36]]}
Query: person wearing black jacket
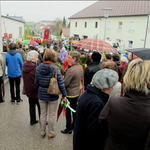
{"points": [[88, 134], [93, 68]]}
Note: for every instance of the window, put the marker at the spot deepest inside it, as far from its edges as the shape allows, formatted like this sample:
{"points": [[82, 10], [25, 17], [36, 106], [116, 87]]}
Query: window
{"points": [[120, 25], [75, 24], [96, 24], [85, 24], [132, 25], [108, 24], [85, 37], [130, 44], [108, 38]]}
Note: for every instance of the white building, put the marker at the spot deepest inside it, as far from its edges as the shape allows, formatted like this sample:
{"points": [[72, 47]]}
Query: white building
{"points": [[14, 27], [128, 23]]}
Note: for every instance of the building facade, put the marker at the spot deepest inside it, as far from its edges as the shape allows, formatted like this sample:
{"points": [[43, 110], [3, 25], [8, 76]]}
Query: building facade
{"points": [[12, 28], [127, 28]]}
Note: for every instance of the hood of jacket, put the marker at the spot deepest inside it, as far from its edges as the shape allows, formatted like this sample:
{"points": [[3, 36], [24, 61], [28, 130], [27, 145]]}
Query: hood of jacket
{"points": [[13, 52], [29, 66], [45, 69]]}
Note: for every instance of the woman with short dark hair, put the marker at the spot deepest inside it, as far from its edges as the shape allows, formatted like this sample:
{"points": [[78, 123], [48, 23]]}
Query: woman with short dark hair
{"points": [[48, 102]]}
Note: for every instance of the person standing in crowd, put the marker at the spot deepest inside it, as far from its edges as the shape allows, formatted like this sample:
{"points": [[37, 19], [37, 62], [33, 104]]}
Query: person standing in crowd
{"points": [[5, 47], [29, 70], [88, 134], [128, 117], [92, 69], [123, 63], [48, 103], [20, 51], [116, 59], [88, 61], [63, 54], [126, 55], [2, 71], [108, 57], [14, 65], [72, 80], [48, 44], [58, 54], [116, 88]]}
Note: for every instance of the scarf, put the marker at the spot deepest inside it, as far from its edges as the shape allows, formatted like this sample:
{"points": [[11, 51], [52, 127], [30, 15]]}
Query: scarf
{"points": [[48, 62]]}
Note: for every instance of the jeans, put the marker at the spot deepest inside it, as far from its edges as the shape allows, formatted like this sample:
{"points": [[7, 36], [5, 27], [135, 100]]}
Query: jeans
{"points": [[32, 103], [17, 84], [48, 109], [69, 122]]}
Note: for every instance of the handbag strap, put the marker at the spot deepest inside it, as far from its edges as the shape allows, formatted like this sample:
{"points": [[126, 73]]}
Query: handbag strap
{"points": [[147, 141], [55, 72]]}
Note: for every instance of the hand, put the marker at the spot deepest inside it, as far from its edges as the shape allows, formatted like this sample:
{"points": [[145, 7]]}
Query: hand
{"points": [[64, 99]]}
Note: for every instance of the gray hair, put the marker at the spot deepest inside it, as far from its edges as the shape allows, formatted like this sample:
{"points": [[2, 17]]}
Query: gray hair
{"points": [[75, 54], [31, 55]]}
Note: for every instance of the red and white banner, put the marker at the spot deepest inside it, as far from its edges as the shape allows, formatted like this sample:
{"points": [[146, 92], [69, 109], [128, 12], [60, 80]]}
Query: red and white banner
{"points": [[5, 35], [46, 33], [10, 36]]}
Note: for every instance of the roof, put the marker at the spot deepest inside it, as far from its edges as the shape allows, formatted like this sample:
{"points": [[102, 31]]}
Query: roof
{"points": [[119, 8], [65, 31], [12, 19], [49, 25]]}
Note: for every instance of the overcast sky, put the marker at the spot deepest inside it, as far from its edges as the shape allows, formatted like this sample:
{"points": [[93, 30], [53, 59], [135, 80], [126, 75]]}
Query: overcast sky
{"points": [[43, 10]]}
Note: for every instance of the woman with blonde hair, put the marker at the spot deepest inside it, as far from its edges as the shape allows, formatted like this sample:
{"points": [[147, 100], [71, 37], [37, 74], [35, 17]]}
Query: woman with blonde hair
{"points": [[128, 117], [48, 103]]}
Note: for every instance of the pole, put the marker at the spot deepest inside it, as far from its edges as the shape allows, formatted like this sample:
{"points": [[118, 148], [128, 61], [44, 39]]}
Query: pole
{"points": [[105, 28], [1, 48]]}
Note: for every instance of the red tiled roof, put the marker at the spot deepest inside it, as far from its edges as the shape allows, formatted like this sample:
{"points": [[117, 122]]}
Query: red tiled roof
{"points": [[119, 8], [65, 31]]}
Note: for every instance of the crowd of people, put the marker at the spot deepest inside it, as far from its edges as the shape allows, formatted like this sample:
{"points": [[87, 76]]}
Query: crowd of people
{"points": [[112, 112]]}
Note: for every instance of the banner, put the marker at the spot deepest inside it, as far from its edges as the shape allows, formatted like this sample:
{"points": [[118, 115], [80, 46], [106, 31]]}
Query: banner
{"points": [[10, 36], [5, 35], [46, 33]]}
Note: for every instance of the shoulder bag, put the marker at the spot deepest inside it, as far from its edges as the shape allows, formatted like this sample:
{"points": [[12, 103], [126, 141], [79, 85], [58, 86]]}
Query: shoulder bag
{"points": [[53, 88]]}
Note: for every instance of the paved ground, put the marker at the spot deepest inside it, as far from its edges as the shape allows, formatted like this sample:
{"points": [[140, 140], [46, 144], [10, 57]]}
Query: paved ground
{"points": [[17, 134]]}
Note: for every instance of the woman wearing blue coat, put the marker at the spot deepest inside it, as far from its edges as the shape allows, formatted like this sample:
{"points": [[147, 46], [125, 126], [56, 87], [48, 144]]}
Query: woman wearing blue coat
{"points": [[44, 73]]}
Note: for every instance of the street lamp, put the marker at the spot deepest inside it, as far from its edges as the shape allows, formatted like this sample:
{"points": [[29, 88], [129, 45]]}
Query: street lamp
{"points": [[106, 16]]}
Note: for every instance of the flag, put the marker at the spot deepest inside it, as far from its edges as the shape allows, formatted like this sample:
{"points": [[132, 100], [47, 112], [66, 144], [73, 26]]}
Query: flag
{"points": [[46, 33], [10, 36], [5, 35]]}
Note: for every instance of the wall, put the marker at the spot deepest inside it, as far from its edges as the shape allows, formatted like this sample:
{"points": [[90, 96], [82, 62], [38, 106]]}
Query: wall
{"points": [[125, 34], [12, 27], [1, 49], [147, 42]]}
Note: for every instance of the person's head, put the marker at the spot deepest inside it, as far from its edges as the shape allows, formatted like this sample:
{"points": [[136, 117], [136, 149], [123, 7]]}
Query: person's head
{"points": [[73, 56], [96, 57], [108, 56], [137, 77], [55, 48], [115, 57], [105, 79], [32, 56], [123, 60], [50, 55], [110, 65], [20, 45], [12, 46]]}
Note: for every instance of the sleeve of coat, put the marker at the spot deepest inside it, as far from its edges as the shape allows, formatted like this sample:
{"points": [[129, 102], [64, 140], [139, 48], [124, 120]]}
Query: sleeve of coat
{"points": [[104, 113], [36, 79], [20, 61], [61, 83], [92, 120], [68, 77]]}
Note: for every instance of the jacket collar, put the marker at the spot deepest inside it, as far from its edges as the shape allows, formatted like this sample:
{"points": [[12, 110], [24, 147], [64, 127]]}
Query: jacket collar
{"points": [[98, 92]]}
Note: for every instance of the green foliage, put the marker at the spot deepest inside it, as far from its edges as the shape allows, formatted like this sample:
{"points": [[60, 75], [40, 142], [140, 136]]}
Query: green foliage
{"points": [[61, 68], [64, 22]]}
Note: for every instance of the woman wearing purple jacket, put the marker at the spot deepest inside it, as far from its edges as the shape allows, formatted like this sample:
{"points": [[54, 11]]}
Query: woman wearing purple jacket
{"points": [[63, 54]]}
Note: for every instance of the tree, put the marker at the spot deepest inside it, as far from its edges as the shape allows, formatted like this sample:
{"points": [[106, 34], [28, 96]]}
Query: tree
{"points": [[69, 25], [64, 22]]}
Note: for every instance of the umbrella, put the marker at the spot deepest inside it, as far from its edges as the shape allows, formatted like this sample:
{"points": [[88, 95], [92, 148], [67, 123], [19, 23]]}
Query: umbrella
{"points": [[95, 44], [143, 53], [74, 42], [31, 42]]}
